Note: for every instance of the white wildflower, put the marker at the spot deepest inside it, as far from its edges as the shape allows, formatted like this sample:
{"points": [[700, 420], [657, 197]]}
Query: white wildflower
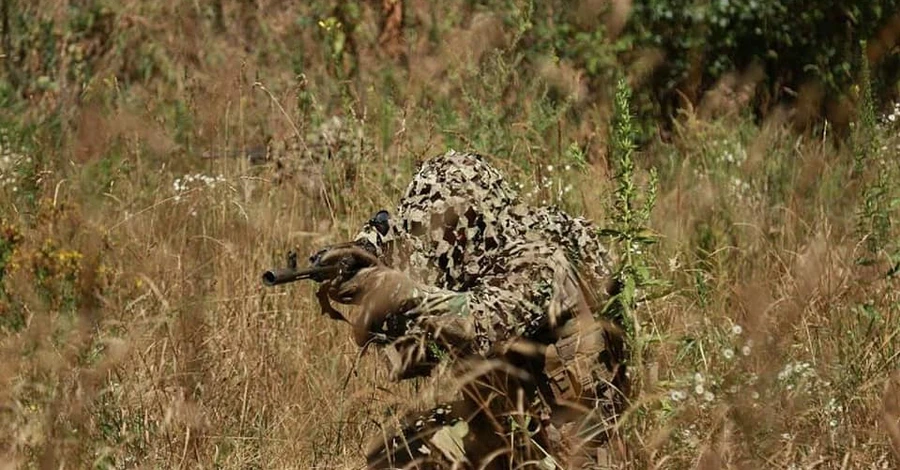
{"points": [[673, 263], [745, 350], [807, 370], [736, 329], [893, 115], [708, 396], [728, 353], [786, 372], [699, 389]]}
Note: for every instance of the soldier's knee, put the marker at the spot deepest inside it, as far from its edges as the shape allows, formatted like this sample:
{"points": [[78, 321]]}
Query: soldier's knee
{"points": [[437, 438]]}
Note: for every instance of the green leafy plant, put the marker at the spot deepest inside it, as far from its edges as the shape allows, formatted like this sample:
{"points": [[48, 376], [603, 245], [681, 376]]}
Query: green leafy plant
{"points": [[631, 214], [881, 199], [865, 126]]}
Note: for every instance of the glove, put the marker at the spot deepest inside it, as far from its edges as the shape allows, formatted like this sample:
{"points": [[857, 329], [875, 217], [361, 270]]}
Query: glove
{"points": [[381, 292]]}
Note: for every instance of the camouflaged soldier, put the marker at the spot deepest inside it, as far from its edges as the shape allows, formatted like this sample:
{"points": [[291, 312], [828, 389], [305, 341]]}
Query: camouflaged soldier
{"points": [[305, 160], [466, 270]]}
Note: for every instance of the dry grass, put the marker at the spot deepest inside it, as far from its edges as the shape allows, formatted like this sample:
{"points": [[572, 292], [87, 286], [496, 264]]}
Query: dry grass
{"points": [[134, 331]]}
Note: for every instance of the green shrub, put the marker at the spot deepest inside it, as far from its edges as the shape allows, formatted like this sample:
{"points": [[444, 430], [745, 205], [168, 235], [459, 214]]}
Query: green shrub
{"points": [[795, 42]]}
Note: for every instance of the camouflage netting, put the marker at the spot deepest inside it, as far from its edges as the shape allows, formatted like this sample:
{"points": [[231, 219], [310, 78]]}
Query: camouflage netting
{"points": [[494, 274]]}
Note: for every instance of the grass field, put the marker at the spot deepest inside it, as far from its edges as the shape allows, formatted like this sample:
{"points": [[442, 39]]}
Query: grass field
{"points": [[135, 332]]}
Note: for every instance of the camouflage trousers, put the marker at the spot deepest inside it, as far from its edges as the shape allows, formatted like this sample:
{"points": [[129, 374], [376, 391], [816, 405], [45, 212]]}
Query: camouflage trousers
{"points": [[553, 407]]}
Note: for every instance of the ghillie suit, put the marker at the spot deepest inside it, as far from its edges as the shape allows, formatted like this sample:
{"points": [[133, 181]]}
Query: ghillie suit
{"points": [[467, 271], [307, 161]]}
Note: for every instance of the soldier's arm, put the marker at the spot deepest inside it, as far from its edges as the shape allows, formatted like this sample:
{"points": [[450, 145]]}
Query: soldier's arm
{"points": [[527, 297]]}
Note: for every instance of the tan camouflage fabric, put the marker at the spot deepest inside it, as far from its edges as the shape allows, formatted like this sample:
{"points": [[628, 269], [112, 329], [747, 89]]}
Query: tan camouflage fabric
{"points": [[458, 213], [494, 273], [462, 228]]}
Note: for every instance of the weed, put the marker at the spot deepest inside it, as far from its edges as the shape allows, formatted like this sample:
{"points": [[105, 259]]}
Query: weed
{"points": [[629, 219]]}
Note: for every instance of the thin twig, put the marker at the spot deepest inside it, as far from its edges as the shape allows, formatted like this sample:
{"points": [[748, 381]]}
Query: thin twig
{"points": [[262, 87]]}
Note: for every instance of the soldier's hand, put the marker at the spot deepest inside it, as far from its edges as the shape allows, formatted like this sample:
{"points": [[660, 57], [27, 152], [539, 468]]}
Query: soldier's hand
{"points": [[380, 292], [349, 258]]}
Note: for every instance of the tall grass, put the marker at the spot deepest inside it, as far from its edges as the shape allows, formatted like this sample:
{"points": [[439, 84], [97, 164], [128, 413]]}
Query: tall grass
{"points": [[134, 331]]}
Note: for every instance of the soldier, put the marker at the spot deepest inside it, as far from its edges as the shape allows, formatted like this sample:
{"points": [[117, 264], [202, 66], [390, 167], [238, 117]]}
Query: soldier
{"points": [[466, 270], [305, 161]]}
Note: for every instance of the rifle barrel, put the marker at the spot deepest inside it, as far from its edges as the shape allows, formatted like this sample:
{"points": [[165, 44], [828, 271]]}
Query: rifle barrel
{"points": [[273, 277]]}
